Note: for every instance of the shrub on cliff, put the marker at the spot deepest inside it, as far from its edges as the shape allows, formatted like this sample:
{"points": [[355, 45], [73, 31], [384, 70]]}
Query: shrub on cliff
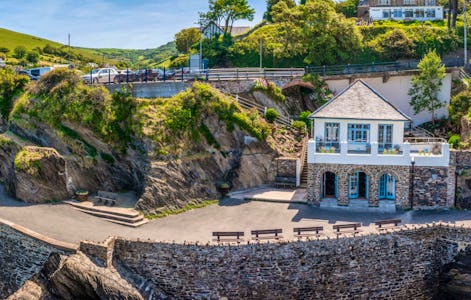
{"points": [[271, 114], [61, 96], [11, 86], [179, 122]]}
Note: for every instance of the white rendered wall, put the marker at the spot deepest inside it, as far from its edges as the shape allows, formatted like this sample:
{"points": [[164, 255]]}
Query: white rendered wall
{"points": [[395, 90], [398, 129], [376, 13]]}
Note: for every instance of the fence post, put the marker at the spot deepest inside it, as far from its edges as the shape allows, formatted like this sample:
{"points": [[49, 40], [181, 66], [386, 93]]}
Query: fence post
{"points": [[182, 74], [237, 74], [373, 66], [165, 75], [109, 76], [348, 68], [291, 71], [323, 70], [127, 75], [264, 75], [91, 77], [146, 75]]}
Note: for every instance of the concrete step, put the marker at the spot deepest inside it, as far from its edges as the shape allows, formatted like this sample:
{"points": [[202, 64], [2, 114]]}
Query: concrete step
{"points": [[133, 225], [104, 209], [112, 216]]}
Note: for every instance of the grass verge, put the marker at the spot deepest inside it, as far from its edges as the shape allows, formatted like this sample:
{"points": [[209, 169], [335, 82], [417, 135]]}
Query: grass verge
{"points": [[189, 206]]}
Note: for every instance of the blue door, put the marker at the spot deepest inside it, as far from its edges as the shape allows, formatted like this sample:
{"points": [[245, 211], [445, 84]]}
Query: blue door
{"points": [[387, 187], [358, 186], [353, 186]]}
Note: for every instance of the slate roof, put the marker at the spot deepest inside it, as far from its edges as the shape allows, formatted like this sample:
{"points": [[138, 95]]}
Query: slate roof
{"points": [[360, 102]]}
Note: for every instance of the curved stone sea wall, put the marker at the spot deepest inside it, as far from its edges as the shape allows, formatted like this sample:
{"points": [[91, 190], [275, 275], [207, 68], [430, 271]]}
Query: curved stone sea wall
{"points": [[404, 264], [21, 257]]}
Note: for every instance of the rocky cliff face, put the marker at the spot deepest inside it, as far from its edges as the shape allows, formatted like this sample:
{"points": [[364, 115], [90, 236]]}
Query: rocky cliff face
{"points": [[76, 277], [455, 279]]}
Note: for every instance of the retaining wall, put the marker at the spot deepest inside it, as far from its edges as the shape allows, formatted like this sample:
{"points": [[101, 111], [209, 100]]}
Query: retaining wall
{"points": [[400, 265]]}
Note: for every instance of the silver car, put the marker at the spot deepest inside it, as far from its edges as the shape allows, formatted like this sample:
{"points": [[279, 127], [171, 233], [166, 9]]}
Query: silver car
{"points": [[103, 75]]}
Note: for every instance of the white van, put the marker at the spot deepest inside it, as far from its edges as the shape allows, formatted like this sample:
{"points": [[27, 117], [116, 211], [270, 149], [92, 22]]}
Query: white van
{"points": [[35, 73]]}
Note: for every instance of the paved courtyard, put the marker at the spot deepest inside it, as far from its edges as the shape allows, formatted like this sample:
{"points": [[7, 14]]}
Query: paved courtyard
{"points": [[64, 223]]}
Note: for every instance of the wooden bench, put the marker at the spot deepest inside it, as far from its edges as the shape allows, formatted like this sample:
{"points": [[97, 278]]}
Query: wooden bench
{"points": [[301, 232], [107, 197], [347, 228], [390, 223], [266, 234], [228, 236], [285, 182]]}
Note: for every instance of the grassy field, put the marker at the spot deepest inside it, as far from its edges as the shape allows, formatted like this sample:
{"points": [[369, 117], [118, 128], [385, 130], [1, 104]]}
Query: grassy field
{"points": [[134, 58]]}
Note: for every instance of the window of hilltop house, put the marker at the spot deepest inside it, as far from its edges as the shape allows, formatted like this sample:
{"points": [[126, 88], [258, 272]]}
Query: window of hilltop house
{"points": [[419, 13], [408, 13], [331, 134], [397, 13], [430, 3], [386, 13], [430, 13], [409, 2], [383, 2]]}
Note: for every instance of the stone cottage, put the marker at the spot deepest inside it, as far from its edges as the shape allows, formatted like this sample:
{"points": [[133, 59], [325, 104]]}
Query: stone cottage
{"points": [[361, 154]]}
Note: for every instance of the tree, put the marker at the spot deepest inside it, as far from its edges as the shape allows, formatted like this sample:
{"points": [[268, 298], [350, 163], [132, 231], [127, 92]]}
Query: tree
{"points": [[348, 7], [11, 85], [4, 50], [393, 45], [316, 32], [32, 57], [271, 3], [459, 106], [186, 38], [20, 52], [227, 12], [427, 84]]}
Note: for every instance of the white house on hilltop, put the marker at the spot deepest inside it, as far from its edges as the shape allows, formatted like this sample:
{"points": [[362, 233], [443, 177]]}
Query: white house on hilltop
{"points": [[359, 156], [421, 10]]}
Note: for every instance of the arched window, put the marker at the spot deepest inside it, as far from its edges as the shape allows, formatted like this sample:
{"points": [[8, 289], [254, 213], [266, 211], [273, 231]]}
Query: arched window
{"points": [[387, 187], [358, 185]]}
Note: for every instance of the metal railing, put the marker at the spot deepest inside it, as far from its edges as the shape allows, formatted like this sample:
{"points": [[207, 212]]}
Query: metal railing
{"points": [[373, 67], [424, 140], [249, 104], [327, 147]]}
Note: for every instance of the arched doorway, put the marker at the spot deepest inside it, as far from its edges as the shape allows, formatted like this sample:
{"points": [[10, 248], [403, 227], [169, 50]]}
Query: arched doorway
{"points": [[358, 186], [329, 185], [387, 187]]}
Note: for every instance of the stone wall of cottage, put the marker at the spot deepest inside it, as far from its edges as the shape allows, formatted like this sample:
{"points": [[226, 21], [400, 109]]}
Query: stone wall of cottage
{"points": [[434, 187], [400, 265], [20, 258], [462, 162], [343, 172]]}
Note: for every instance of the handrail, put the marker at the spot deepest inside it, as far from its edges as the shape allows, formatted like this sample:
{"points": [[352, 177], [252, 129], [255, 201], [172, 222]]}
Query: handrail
{"points": [[424, 140]]}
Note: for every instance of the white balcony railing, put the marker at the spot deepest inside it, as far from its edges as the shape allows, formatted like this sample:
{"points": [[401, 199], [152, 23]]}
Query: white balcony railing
{"points": [[424, 154]]}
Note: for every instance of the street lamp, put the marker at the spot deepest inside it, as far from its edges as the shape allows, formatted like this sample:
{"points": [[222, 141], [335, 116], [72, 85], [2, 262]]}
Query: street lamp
{"points": [[411, 186], [465, 36]]}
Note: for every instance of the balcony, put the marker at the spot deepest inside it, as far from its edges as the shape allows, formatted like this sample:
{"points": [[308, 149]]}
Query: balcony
{"points": [[425, 152]]}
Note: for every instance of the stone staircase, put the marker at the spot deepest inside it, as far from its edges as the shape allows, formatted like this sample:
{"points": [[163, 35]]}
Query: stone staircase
{"points": [[123, 216], [304, 171]]}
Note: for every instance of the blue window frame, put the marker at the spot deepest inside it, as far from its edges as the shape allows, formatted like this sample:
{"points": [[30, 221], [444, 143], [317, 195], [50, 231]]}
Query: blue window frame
{"points": [[387, 187], [331, 133], [385, 136], [358, 185], [359, 133]]}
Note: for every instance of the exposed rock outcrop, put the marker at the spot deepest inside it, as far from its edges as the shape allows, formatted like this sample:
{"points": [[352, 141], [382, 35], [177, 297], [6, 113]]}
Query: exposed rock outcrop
{"points": [[36, 168], [455, 280], [76, 277]]}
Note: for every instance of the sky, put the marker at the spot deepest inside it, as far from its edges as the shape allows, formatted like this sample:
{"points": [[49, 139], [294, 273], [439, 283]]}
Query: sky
{"points": [[128, 24]]}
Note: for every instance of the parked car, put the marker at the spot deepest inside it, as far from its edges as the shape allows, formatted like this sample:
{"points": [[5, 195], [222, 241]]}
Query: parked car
{"points": [[164, 75], [36, 73], [147, 75], [126, 76], [102, 75]]}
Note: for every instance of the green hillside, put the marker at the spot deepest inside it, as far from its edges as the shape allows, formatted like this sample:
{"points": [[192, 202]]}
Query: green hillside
{"points": [[53, 52]]}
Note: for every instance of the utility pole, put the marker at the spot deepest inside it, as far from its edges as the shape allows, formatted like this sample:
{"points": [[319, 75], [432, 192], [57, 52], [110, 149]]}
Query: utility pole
{"points": [[69, 49], [465, 36], [261, 52]]}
